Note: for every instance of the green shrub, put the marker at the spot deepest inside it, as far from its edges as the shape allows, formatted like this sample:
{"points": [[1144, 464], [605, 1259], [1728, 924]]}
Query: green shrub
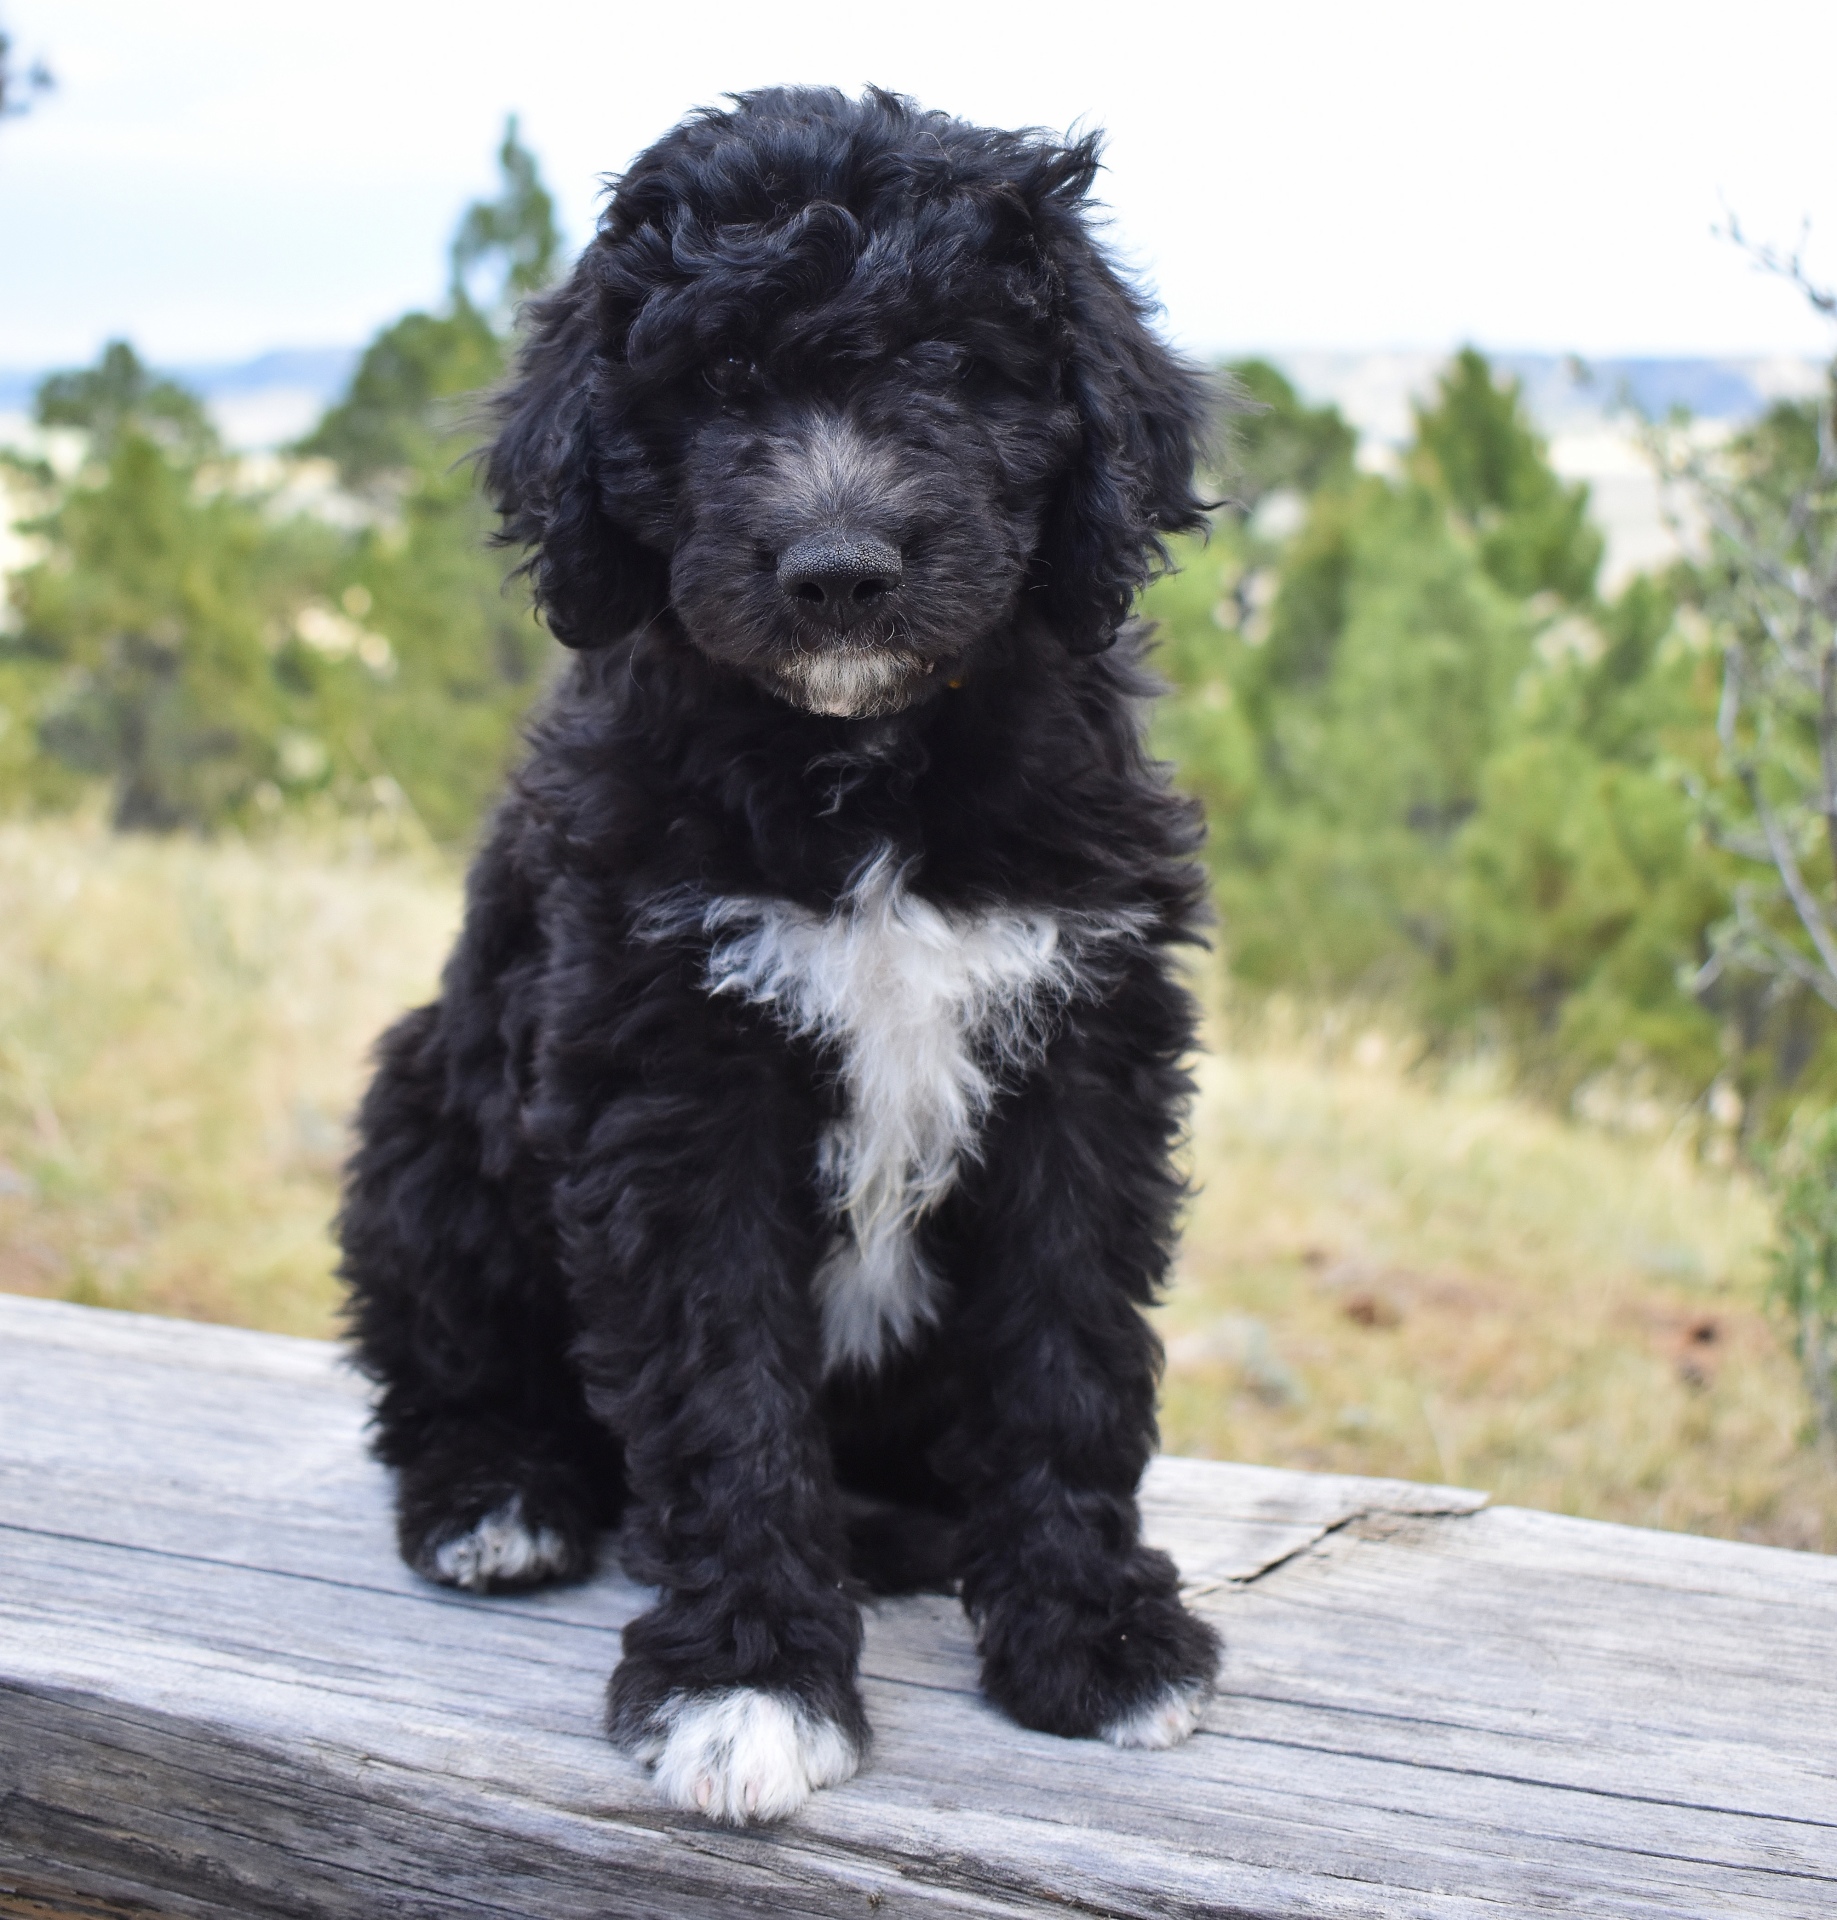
{"points": [[215, 660], [1440, 769], [149, 645], [1805, 1262]]}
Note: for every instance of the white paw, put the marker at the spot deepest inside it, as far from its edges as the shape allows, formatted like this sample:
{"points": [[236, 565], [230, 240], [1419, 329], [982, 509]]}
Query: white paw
{"points": [[503, 1549], [1164, 1721], [743, 1754]]}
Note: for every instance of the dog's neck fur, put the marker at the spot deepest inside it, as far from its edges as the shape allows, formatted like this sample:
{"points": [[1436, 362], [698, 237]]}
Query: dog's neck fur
{"points": [[931, 1012]]}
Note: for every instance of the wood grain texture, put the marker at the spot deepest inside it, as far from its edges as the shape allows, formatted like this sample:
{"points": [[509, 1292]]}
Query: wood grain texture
{"points": [[221, 1694], [23, 1899]]}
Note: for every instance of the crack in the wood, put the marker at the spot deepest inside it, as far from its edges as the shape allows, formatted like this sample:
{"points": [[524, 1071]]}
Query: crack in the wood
{"points": [[1418, 1765], [1237, 1582], [502, 1606], [1475, 1729]]}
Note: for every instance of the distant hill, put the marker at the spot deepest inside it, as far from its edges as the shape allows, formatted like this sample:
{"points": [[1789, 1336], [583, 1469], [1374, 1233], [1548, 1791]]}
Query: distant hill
{"points": [[276, 396], [320, 370], [258, 403], [1564, 393], [1586, 410]]}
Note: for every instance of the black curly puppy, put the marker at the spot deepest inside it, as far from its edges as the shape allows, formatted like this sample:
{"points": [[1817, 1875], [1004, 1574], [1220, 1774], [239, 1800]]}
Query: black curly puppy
{"points": [[785, 1163]]}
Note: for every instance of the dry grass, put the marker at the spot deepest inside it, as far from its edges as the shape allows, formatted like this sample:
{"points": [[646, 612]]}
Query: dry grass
{"points": [[1397, 1273], [1385, 1272], [182, 1033]]}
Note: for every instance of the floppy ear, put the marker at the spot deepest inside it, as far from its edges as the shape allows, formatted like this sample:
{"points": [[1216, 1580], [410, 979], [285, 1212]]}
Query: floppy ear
{"points": [[554, 474], [1141, 413]]}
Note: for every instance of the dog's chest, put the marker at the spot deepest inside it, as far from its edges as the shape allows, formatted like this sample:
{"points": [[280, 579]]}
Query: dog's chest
{"points": [[927, 1014]]}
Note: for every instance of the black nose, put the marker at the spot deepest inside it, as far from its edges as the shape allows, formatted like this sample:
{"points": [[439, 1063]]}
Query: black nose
{"points": [[840, 579]]}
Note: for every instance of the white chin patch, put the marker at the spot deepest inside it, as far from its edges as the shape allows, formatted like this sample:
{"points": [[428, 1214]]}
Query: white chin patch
{"points": [[850, 682], [1164, 1721], [743, 1754], [502, 1550]]}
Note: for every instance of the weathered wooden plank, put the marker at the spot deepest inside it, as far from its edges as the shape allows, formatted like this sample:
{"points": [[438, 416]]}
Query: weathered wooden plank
{"points": [[220, 1691], [544, 1707], [292, 1486]]}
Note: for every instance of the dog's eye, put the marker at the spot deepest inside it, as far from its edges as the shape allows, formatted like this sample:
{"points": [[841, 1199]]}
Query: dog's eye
{"points": [[939, 362], [732, 375]]}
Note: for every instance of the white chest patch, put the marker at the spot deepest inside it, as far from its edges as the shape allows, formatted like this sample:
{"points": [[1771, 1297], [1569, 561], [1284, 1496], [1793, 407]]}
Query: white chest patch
{"points": [[930, 1012]]}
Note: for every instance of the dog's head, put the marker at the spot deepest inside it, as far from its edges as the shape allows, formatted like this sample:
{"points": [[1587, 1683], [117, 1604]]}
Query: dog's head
{"points": [[848, 387]]}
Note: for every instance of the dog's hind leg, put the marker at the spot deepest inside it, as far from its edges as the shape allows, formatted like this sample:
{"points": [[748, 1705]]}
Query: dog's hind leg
{"points": [[903, 1519], [460, 1316], [1079, 1623]]}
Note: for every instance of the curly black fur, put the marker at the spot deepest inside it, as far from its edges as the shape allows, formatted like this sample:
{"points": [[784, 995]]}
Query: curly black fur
{"points": [[585, 1224]]}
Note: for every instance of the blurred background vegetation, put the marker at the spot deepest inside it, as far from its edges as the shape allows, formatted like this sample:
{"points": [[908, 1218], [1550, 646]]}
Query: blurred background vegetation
{"points": [[1514, 1152], [219, 653]]}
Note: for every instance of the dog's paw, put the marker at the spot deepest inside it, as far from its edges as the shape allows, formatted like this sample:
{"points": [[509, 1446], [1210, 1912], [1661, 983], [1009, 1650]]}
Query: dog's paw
{"points": [[1136, 1671], [1166, 1719], [484, 1506], [743, 1754], [507, 1548]]}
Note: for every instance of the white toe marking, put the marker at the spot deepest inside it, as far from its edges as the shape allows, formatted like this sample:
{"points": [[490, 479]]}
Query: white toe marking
{"points": [[743, 1754], [1164, 1721], [502, 1547]]}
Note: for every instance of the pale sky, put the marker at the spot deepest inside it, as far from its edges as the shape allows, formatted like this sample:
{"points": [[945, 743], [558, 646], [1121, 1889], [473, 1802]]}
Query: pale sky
{"points": [[217, 177]]}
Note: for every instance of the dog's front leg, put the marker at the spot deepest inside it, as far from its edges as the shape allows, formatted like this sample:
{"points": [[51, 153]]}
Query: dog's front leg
{"points": [[1079, 1624], [692, 1235]]}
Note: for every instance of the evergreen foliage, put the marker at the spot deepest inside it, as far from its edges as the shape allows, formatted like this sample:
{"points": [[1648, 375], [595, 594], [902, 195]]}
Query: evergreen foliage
{"points": [[119, 396], [513, 238], [1441, 770], [1805, 1261], [20, 85], [1278, 441], [406, 401], [145, 647], [1439, 767], [1475, 450], [218, 660], [469, 656]]}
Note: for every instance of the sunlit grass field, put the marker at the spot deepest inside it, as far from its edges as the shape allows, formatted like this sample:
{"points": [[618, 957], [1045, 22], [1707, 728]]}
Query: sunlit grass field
{"points": [[1388, 1268], [183, 1030], [1412, 1272]]}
